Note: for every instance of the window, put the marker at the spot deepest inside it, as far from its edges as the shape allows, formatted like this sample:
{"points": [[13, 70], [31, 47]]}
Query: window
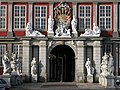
{"points": [[19, 16], [40, 17], [84, 16], [3, 15], [2, 52], [105, 17], [107, 48]]}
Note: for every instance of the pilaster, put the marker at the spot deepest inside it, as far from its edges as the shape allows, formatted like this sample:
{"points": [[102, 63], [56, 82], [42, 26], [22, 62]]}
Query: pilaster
{"points": [[10, 17], [97, 54], [30, 12], [79, 63], [95, 12], [42, 61], [27, 57], [75, 9], [115, 32], [51, 8]]}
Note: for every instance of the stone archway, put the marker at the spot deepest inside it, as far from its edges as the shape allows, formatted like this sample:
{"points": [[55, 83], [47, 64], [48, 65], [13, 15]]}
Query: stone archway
{"points": [[62, 64]]}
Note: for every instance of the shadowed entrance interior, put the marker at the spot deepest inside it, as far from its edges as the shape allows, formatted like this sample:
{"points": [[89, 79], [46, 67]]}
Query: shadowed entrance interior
{"points": [[62, 64]]}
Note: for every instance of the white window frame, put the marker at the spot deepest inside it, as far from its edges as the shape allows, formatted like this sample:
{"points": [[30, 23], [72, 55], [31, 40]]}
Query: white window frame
{"points": [[20, 17], [2, 52], [4, 17], [85, 17], [106, 17], [43, 29]]}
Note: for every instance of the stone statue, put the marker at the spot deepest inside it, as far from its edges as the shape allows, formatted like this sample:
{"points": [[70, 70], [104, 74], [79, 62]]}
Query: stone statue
{"points": [[89, 67], [13, 63], [33, 66], [92, 33], [31, 32], [107, 67], [74, 24], [50, 24], [96, 29], [6, 64], [111, 65], [18, 65]]}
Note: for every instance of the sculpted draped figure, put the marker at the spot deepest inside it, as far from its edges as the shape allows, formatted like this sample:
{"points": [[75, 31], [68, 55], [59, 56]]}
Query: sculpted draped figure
{"points": [[74, 24], [33, 66], [90, 69], [6, 63], [50, 24]]}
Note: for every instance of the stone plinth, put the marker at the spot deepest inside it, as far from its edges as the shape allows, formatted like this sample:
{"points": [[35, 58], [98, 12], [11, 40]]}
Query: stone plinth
{"points": [[34, 78], [16, 80], [50, 34], [109, 81], [90, 78], [75, 34]]}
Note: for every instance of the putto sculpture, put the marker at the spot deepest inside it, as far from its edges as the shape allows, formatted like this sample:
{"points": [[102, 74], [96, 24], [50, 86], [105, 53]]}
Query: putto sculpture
{"points": [[31, 32], [50, 24], [74, 24], [92, 33]]}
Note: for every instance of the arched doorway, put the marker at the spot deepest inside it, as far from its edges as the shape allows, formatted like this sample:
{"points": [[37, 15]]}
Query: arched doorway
{"points": [[62, 64]]}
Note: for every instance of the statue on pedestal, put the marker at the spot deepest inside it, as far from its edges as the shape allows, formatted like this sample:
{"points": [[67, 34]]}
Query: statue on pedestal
{"points": [[90, 69], [33, 66], [6, 64]]}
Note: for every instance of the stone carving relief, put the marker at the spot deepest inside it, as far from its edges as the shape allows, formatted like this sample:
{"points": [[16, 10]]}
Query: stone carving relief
{"points": [[62, 16], [92, 33], [31, 32]]}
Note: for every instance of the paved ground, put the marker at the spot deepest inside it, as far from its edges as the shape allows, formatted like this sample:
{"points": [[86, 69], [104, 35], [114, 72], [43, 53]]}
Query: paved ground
{"points": [[60, 86]]}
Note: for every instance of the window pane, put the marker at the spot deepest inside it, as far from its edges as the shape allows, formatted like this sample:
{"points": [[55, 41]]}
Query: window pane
{"points": [[22, 10], [22, 22], [37, 11], [16, 22], [88, 11], [102, 10], [87, 23], [43, 21], [81, 24], [81, 11], [16, 11], [102, 22], [2, 52], [2, 22], [37, 23], [108, 10], [108, 23], [43, 11], [2, 11]]}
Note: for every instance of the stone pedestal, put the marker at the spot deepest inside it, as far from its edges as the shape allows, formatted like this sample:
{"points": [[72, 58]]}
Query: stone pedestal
{"points": [[74, 34], [109, 81], [34, 78], [50, 34], [16, 80], [90, 78]]}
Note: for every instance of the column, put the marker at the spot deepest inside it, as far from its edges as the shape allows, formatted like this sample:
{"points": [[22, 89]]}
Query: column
{"points": [[10, 17], [79, 63], [95, 10], [27, 57], [30, 12], [97, 54], [42, 61], [115, 32]]}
